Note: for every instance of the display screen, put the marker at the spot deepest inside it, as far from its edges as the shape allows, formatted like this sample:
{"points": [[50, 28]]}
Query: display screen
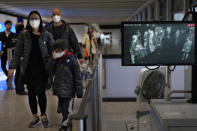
{"points": [[158, 43]]}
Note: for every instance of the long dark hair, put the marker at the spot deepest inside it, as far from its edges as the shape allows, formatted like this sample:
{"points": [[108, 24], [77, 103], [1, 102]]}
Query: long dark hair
{"points": [[89, 30], [28, 27]]}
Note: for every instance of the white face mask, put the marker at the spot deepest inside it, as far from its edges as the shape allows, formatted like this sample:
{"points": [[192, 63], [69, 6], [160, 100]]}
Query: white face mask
{"points": [[56, 18], [34, 23], [59, 55]]}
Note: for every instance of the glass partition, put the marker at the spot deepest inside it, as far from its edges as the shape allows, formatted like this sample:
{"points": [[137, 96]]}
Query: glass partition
{"points": [[91, 102]]}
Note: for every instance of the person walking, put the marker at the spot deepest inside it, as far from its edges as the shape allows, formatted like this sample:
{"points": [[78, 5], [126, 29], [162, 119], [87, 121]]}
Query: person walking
{"points": [[65, 86], [89, 40], [35, 46], [8, 40], [61, 30]]}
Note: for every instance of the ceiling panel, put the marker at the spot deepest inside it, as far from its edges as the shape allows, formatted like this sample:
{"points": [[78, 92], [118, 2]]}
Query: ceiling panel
{"points": [[77, 11]]}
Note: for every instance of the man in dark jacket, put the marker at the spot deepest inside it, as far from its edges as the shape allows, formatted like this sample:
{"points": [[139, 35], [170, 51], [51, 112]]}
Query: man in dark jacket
{"points": [[67, 80], [61, 30], [8, 40]]}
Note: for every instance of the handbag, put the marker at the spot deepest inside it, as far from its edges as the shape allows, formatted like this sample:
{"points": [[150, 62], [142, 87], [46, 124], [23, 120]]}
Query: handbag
{"points": [[85, 53]]}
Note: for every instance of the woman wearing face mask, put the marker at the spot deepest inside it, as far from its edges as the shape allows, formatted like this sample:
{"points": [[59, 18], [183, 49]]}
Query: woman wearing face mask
{"points": [[89, 40], [35, 46]]}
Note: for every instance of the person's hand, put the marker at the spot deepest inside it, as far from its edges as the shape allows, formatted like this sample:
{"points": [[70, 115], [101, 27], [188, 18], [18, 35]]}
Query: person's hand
{"points": [[10, 73], [81, 61], [54, 55]]}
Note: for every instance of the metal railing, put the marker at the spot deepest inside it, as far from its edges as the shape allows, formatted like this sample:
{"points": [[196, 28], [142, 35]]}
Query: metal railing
{"points": [[88, 117]]}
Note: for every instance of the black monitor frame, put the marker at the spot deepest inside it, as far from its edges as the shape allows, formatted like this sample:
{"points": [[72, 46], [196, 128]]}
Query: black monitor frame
{"points": [[158, 22]]}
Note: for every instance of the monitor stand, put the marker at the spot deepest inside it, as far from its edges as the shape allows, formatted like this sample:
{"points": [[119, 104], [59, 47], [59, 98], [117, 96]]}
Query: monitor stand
{"points": [[194, 73], [193, 85]]}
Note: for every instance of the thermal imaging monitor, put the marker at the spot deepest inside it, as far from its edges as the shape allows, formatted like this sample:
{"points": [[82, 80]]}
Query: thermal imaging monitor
{"points": [[158, 43]]}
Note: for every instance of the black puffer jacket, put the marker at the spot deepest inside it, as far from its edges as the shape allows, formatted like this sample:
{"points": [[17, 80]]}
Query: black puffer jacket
{"points": [[69, 36], [67, 76], [24, 45]]}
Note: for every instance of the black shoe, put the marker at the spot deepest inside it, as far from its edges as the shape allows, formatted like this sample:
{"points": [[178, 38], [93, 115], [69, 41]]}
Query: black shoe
{"points": [[63, 128], [45, 121], [35, 122], [23, 93]]}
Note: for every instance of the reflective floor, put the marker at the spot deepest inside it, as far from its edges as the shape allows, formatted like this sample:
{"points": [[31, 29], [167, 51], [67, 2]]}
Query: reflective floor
{"points": [[3, 78], [121, 116], [15, 113]]}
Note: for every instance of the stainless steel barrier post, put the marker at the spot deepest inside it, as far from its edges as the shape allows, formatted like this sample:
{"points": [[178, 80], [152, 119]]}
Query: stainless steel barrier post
{"points": [[78, 122], [9, 56], [99, 93], [168, 82], [92, 107], [88, 117], [95, 103]]}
